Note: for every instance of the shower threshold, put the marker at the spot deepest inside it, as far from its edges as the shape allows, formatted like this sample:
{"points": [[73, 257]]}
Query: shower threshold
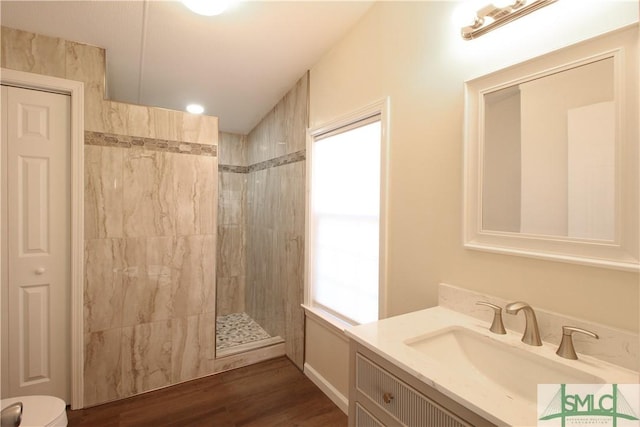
{"points": [[242, 348], [238, 332]]}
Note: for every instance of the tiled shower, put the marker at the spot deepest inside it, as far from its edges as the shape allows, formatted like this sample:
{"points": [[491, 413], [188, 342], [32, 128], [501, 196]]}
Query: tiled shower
{"points": [[150, 228], [261, 180]]}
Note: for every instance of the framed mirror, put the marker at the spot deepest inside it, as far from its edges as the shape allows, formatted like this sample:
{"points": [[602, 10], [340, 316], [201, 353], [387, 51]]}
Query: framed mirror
{"points": [[551, 155]]}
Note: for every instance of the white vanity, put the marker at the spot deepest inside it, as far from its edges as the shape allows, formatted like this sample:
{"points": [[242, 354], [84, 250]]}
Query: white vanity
{"points": [[386, 393], [440, 367]]}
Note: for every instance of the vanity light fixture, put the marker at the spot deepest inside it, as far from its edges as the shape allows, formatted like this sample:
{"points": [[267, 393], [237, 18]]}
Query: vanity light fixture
{"points": [[491, 16], [195, 109]]}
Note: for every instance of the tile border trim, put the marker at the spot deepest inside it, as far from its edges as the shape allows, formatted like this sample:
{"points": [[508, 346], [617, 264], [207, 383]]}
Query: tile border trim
{"points": [[125, 141], [233, 169], [286, 159]]}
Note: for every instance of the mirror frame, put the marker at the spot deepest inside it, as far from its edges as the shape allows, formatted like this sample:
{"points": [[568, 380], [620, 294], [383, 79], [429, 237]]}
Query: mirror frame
{"points": [[623, 252]]}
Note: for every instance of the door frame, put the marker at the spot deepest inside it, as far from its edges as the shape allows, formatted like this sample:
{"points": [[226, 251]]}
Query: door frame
{"points": [[76, 90]]}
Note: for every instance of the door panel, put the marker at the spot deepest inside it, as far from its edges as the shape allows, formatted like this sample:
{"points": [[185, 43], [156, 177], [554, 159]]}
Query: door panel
{"points": [[34, 301], [33, 206], [37, 129]]}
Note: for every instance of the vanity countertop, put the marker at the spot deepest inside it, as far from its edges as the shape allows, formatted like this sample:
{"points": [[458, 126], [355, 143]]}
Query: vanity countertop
{"points": [[387, 338]]}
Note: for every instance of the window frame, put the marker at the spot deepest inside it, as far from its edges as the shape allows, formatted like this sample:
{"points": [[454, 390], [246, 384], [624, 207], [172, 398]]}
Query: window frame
{"points": [[338, 125]]}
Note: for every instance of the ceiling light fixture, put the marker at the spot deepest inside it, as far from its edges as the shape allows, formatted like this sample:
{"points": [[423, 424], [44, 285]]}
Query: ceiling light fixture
{"points": [[208, 7], [491, 16], [195, 109]]}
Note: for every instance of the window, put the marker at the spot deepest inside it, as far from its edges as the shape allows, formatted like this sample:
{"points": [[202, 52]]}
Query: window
{"points": [[346, 176]]}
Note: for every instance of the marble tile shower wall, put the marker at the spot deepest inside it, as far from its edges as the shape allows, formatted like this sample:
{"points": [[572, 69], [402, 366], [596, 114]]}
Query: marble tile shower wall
{"points": [[275, 220], [283, 130], [149, 269], [150, 228], [232, 199]]}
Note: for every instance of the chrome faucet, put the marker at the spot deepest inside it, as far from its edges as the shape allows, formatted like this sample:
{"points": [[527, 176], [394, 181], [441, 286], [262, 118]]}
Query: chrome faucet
{"points": [[531, 334]]}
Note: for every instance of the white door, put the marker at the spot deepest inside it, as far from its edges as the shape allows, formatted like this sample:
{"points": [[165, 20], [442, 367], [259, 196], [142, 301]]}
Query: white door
{"points": [[36, 241]]}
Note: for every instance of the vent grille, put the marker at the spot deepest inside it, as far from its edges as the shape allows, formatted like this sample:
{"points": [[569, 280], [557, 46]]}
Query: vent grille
{"points": [[407, 405]]}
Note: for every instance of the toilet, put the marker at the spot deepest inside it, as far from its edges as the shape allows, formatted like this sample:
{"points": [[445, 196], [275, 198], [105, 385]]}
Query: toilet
{"points": [[40, 411]]}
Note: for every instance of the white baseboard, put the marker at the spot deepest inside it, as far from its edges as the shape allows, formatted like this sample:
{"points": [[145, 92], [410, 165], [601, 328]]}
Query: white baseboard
{"points": [[336, 397]]}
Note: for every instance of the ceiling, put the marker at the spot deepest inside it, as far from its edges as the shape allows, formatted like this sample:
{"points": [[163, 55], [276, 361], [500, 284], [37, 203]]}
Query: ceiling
{"points": [[237, 65]]}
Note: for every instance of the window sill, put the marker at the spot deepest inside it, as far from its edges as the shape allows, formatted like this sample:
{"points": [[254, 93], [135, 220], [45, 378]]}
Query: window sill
{"points": [[329, 321]]}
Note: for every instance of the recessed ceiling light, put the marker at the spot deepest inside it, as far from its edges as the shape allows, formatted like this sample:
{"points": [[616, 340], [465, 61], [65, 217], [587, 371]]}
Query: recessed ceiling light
{"points": [[208, 7], [195, 109]]}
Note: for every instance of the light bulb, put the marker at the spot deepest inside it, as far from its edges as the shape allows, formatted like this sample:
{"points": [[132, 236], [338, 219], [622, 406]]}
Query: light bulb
{"points": [[195, 109], [464, 15], [503, 3], [208, 7]]}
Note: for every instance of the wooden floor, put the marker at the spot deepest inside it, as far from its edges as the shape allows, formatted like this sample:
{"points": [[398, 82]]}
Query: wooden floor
{"points": [[271, 393]]}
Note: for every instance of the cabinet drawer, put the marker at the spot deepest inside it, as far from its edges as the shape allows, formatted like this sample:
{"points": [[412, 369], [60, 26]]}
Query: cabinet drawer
{"points": [[400, 400], [365, 419]]}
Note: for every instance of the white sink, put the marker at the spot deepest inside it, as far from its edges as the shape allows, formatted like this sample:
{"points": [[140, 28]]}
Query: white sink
{"points": [[495, 376], [502, 367]]}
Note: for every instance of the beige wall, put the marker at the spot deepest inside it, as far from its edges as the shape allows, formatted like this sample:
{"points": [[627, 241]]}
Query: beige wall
{"points": [[411, 52], [320, 338]]}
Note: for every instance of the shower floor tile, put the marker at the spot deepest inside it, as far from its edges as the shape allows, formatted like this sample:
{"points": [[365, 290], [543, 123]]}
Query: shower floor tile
{"points": [[237, 329]]}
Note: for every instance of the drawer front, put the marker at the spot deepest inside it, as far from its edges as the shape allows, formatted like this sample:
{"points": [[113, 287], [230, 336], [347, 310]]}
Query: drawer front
{"points": [[400, 400], [365, 419]]}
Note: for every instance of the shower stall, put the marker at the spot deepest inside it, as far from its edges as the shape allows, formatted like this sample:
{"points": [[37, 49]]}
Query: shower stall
{"points": [[260, 254]]}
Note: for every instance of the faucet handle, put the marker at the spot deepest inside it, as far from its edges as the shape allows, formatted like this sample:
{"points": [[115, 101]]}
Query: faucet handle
{"points": [[497, 327], [11, 415], [566, 348]]}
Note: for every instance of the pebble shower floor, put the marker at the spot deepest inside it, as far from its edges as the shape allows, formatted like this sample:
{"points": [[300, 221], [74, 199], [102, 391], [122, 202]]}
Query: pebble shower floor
{"points": [[236, 329]]}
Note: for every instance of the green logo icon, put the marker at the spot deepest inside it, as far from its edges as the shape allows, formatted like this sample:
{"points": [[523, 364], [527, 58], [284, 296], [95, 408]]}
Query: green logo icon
{"points": [[564, 405]]}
